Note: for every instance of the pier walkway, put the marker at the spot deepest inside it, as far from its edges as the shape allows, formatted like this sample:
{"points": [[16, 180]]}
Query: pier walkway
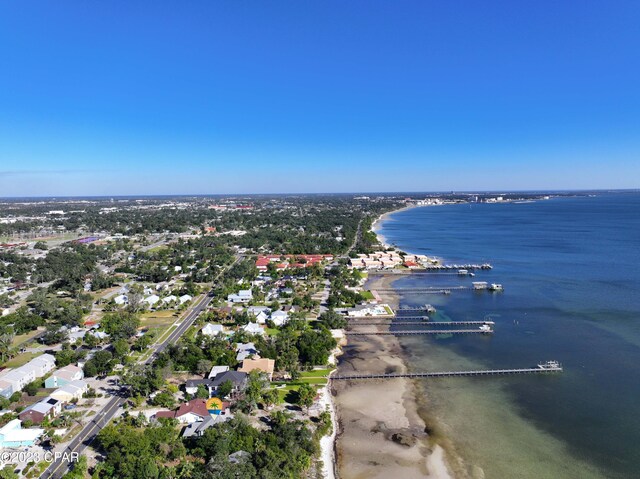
{"points": [[541, 369], [420, 331], [421, 323]]}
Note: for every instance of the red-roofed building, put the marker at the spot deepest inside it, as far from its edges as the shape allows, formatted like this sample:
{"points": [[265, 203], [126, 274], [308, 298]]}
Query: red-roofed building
{"points": [[411, 265], [188, 413]]}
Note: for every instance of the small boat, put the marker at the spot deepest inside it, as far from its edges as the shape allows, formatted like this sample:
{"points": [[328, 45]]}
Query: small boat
{"points": [[549, 365], [496, 287], [485, 328]]}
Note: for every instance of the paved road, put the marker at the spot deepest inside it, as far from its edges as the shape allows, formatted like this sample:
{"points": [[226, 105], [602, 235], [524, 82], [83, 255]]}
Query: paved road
{"points": [[91, 430]]}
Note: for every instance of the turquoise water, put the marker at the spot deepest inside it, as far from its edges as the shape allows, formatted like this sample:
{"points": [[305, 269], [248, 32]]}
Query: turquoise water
{"points": [[571, 272]]}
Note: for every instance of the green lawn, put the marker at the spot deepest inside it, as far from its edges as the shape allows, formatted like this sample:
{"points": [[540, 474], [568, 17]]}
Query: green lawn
{"points": [[23, 338], [272, 331], [21, 360], [367, 295]]}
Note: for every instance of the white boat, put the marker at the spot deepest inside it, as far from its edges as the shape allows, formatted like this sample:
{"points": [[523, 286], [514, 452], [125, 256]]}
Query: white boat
{"points": [[549, 365], [485, 328], [496, 287]]}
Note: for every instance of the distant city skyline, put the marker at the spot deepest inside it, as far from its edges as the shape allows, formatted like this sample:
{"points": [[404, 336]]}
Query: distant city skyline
{"points": [[161, 98]]}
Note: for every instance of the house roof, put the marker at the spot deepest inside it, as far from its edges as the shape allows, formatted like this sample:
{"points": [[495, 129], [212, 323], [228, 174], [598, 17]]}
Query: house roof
{"points": [[263, 364], [197, 407], [236, 377]]}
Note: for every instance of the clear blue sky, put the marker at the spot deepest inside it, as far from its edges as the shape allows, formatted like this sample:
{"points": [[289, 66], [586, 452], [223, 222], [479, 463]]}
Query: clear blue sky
{"points": [[119, 97]]}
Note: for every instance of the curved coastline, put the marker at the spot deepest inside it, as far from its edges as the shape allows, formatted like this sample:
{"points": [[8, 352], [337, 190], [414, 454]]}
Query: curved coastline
{"points": [[383, 427]]}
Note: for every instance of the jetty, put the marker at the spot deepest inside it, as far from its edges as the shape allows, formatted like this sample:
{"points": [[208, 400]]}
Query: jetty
{"points": [[542, 368], [412, 309], [422, 323], [433, 267], [415, 332]]}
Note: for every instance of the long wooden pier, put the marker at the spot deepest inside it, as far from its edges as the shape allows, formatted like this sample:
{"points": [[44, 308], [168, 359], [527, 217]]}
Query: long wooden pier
{"points": [[420, 331], [428, 289], [431, 268], [550, 367], [423, 323]]}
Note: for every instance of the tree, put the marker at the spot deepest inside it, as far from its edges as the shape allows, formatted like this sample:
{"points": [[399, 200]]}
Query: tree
{"points": [[32, 388], [121, 349], [306, 395], [102, 361], [90, 369], [270, 397], [256, 384], [41, 245], [204, 366], [164, 399], [224, 389], [120, 324], [202, 392]]}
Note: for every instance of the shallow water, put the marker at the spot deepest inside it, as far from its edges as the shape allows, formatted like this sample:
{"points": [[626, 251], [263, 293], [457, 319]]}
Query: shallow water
{"points": [[572, 293]]}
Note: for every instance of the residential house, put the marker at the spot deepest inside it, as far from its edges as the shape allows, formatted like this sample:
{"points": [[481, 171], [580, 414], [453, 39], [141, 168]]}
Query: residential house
{"points": [[210, 329], [13, 380], [169, 299], [12, 435], [197, 429], [188, 413], [217, 370], [185, 297], [152, 300], [279, 317], [48, 408], [253, 328], [262, 364], [245, 350], [70, 391], [237, 378], [64, 376], [121, 299], [243, 296]]}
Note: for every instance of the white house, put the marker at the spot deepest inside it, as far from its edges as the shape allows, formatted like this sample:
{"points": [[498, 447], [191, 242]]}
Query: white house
{"points": [[16, 379], [185, 297], [12, 435], [279, 317], [243, 296], [217, 370], [210, 329], [169, 299], [253, 328], [245, 350], [152, 300], [122, 299], [71, 391]]}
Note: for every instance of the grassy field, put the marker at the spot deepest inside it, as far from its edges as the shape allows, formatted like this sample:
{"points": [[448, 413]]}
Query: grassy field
{"points": [[21, 360], [367, 295], [23, 338], [158, 319]]}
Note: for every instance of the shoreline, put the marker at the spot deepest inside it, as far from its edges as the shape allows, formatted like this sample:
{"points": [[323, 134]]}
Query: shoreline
{"points": [[382, 432]]}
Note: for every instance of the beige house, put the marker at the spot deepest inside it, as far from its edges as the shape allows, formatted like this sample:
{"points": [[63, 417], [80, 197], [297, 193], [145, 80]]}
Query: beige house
{"points": [[263, 364]]}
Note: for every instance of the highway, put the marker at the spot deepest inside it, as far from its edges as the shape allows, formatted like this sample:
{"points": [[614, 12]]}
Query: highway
{"points": [[86, 436]]}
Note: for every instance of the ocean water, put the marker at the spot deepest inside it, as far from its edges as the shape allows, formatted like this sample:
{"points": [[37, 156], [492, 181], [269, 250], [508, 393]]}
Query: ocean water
{"points": [[571, 272]]}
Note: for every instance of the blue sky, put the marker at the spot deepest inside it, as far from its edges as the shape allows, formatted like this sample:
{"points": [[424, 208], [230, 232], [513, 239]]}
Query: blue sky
{"points": [[106, 98]]}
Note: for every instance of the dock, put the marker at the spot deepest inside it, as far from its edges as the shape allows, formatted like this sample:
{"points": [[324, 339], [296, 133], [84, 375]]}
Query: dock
{"points": [[542, 368], [434, 267], [423, 323], [420, 331]]}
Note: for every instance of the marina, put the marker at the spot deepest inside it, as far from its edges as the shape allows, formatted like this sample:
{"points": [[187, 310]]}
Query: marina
{"points": [[542, 368]]}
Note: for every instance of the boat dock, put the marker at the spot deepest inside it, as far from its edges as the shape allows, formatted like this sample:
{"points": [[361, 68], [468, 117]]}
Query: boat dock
{"points": [[434, 267], [428, 289], [542, 368], [423, 323], [420, 331]]}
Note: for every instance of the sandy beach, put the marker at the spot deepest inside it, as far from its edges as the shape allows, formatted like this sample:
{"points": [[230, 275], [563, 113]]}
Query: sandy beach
{"points": [[380, 431]]}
